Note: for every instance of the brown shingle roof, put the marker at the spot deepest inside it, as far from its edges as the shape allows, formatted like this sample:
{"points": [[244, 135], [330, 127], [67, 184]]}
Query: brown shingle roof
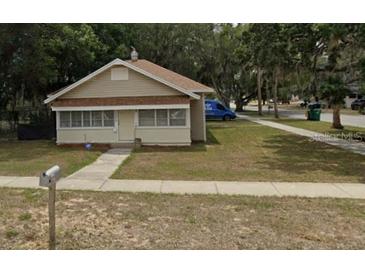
{"points": [[169, 76]]}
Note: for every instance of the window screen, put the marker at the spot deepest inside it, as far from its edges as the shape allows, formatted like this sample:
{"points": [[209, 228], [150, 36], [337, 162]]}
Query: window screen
{"points": [[177, 117], [146, 117], [76, 119], [86, 122], [108, 117], [96, 119], [65, 119], [161, 117]]}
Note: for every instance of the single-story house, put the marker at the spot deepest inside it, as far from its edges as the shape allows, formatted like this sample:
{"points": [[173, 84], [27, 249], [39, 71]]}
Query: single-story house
{"points": [[128, 100]]}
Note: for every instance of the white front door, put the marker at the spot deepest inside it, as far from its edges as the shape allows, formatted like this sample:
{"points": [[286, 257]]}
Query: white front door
{"points": [[126, 125]]}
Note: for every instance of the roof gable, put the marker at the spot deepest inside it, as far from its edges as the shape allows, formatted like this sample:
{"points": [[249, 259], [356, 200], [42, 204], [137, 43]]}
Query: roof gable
{"points": [[136, 84], [162, 75]]}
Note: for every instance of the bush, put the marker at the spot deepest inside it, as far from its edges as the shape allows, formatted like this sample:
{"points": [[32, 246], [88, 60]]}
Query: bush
{"points": [[362, 110]]}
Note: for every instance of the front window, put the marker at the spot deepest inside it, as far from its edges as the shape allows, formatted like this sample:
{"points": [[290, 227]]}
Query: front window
{"points": [[177, 117], [96, 119], [65, 119], [146, 118], [76, 120], [108, 118], [86, 119], [79, 119], [161, 117]]}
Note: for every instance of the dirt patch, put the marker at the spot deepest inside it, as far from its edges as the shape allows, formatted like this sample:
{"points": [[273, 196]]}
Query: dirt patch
{"points": [[96, 220]]}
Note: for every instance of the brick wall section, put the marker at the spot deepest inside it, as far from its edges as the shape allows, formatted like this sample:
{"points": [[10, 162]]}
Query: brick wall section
{"points": [[121, 101]]}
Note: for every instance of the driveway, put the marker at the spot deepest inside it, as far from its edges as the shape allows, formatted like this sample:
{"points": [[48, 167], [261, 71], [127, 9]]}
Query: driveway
{"points": [[347, 120]]}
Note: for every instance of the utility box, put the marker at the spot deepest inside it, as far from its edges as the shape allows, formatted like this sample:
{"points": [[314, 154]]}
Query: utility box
{"points": [[50, 177]]}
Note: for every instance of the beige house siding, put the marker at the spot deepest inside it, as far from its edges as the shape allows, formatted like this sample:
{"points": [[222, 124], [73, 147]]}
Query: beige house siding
{"points": [[125, 131], [101, 86], [197, 114], [69, 136], [164, 136], [170, 136]]}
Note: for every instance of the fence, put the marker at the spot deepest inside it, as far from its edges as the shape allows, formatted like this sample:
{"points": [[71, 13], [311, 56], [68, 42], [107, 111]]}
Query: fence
{"points": [[27, 124]]}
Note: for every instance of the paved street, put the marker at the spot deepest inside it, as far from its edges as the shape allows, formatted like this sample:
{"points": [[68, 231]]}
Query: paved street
{"points": [[347, 120]]}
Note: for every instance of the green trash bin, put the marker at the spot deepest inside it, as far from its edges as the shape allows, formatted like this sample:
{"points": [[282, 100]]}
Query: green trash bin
{"points": [[314, 114]]}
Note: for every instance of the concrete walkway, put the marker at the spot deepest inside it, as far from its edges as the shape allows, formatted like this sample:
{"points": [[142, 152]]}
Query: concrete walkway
{"points": [[279, 189], [103, 167], [354, 146]]}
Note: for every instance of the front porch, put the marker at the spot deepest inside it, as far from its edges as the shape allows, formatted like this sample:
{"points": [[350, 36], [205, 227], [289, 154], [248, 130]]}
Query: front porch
{"points": [[163, 121]]}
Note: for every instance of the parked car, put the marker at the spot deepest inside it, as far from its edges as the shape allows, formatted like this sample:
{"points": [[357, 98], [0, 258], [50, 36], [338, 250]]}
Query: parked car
{"points": [[357, 104], [216, 110]]}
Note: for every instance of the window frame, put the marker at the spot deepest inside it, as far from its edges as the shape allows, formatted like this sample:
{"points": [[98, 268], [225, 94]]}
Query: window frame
{"points": [[101, 118], [221, 107], [177, 119], [72, 121], [69, 120], [89, 112], [154, 118], [168, 119]]}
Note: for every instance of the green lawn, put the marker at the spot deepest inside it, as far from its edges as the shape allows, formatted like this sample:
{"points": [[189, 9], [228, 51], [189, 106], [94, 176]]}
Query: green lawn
{"points": [[30, 158], [245, 151], [319, 126], [115, 220]]}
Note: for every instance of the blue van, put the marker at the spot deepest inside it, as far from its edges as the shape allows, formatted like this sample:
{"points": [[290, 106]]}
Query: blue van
{"points": [[216, 110]]}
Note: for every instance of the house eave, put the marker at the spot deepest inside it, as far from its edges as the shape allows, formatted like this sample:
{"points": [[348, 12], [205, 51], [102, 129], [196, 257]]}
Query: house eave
{"points": [[126, 107]]}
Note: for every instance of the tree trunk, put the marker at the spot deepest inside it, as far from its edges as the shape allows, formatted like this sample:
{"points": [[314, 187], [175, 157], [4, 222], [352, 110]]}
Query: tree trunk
{"points": [[299, 84], [259, 95], [239, 105], [267, 90], [275, 97], [336, 122], [315, 75], [13, 115], [220, 94]]}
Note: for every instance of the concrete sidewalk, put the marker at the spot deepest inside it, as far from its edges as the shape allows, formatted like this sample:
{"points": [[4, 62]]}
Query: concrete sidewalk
{"points": [[354, 146], [279, 189]]}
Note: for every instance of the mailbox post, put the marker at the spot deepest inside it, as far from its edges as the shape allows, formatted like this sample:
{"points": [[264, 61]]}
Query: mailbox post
{"points": [[49, 179]]}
